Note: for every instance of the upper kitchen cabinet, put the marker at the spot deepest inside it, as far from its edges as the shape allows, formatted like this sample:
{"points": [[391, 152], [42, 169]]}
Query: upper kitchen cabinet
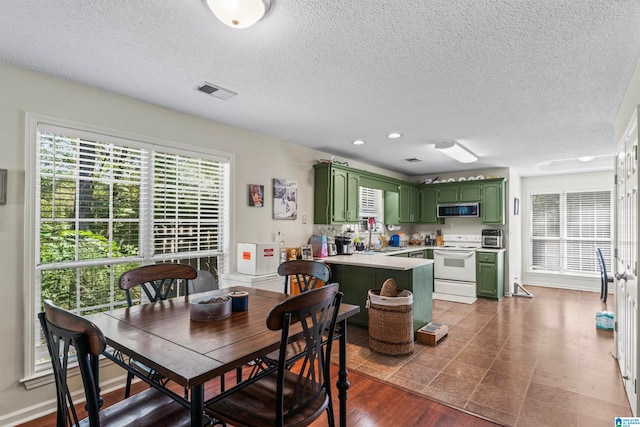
{"points": [[429, 205], [448, 193], [402, 205], [492, 209], [335, 194], [470, 192], [455, 192]]}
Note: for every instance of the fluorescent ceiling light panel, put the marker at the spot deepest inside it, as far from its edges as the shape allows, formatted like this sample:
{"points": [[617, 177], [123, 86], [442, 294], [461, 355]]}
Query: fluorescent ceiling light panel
{"points": [[456, 151]]}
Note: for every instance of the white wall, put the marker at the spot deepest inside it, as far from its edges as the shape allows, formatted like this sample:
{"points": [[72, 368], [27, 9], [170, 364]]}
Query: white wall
{"points": [[569, 182], [258, 159]]}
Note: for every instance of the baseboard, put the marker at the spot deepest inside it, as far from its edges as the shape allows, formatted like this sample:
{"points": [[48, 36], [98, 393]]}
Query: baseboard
{"points": [[47, 407]]}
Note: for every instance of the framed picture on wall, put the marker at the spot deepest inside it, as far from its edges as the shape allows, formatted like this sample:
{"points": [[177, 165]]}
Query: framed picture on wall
{"points": [[256, 195], [285, 199]]}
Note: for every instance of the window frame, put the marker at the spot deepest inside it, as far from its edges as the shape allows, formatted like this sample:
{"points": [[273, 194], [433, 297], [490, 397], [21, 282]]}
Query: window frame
{"points": [[563, 237], [32, 376]]}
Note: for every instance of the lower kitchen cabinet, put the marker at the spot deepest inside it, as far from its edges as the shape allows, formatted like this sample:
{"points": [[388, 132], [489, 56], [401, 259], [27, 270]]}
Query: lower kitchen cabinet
{"points": [[490, 274], [355, 282]]}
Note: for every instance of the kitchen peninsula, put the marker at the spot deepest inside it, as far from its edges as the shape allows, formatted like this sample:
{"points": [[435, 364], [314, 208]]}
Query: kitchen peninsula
{"points": [[358, 273]]}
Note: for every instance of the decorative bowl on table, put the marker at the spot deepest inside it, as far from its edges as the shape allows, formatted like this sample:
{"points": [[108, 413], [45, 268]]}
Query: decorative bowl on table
{"points": [[209, 308]]}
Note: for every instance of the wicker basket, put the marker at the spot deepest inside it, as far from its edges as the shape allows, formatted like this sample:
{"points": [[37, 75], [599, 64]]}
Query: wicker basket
{"points": [[390, 323]]}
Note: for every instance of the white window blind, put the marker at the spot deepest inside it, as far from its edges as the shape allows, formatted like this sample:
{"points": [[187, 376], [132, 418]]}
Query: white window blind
{"points": [[371, 204], [567, 227], [188, 204]]}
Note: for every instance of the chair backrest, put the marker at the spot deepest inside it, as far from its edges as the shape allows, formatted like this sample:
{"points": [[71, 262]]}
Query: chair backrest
{"points": [[157, 281], [205, 281], [316, 311], [63, 330], [307, 274]]}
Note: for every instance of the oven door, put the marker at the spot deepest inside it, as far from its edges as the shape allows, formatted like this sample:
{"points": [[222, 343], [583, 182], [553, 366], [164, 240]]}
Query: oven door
{"points": [[455, 264]]}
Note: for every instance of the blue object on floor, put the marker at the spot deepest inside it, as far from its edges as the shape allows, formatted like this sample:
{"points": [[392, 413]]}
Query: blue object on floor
{"points": [[604, 320]]}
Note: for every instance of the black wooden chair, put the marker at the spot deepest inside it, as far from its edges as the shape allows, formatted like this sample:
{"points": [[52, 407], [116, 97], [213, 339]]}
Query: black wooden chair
{"points": [[64, 330], [282, 397], [158, 282], [307, 274], [604, 279]]}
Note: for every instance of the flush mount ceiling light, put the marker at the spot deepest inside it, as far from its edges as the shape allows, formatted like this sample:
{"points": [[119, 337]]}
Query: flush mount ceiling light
{"points": [[456, 151], [394, 135], [586, 158], [358, 142], [239, 13]]}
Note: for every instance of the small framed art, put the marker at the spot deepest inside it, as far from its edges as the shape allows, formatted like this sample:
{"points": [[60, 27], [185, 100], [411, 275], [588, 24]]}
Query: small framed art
{"points": [[256, 195], [307, 252]]}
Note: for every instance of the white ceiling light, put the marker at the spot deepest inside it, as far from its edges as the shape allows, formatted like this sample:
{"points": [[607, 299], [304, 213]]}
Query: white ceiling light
{"points": [[394, 135], [586, 158], [239, 13], [456, 151], [358, 142]]}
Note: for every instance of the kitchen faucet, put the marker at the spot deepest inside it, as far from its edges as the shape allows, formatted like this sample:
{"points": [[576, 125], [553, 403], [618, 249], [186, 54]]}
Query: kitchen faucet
{"points": [[370, 230]]}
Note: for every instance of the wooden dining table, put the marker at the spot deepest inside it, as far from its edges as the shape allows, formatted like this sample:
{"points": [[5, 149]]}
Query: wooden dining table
{"points": [[162, 336]]}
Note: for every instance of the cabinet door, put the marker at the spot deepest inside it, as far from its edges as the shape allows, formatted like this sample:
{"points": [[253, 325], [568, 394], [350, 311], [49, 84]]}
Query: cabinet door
{"points": [[391, 207], [352, 196], [486, 279], [405, 203], [338, 200], [414, 196], [448, 193], [492, 208], [470, 192], [429, 205]]}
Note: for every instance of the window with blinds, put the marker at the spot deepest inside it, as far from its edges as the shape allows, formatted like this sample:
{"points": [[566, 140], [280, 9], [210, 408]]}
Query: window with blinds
{"points": [[105, 204], [567, 227], [371, 203]]}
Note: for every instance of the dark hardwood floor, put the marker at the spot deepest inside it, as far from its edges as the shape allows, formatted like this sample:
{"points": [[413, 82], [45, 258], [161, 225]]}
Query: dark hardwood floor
{"points": [[371, 403]]}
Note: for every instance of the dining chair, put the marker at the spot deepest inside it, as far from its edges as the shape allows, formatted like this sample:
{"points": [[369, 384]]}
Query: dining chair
{"points": [[305, 274], [604, 279], [70, 336], [157, 282], [282, 397]]}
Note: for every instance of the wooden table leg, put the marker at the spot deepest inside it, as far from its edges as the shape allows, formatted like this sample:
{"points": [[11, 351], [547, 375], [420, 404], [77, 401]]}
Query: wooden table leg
{"points": [[197, 405], [343, 382]]}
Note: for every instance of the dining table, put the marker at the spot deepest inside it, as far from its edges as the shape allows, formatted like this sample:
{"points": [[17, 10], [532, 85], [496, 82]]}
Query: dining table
{"points": [[162, 336]]}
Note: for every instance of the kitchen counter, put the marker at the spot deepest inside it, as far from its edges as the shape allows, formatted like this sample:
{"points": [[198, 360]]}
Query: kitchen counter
{"points": [[379, 260], [358, 273]]}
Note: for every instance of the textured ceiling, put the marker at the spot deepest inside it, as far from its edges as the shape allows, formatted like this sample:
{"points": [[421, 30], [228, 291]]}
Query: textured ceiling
{"points": [[518, 82]]}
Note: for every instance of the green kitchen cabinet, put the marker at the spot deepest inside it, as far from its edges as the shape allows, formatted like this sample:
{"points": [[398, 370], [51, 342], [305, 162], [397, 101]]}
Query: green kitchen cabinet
{"points": [[355, 282], [428, 253], [469, 192], [492, 209], [409, 196], [336, 192], [490, 274], [402, 206], [429, 205], [448, 193]]}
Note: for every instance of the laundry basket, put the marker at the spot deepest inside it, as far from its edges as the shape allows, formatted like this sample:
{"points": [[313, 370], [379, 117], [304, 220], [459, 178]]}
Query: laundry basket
{"points": [[390, 322]]}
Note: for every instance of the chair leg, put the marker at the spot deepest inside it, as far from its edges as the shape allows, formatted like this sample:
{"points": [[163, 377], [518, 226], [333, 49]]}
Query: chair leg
{"points": [[331, 420], [127, 389]]}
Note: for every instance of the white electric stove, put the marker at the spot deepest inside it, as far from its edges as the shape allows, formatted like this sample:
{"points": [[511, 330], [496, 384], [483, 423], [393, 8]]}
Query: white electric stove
{"points": [[454, 268]]}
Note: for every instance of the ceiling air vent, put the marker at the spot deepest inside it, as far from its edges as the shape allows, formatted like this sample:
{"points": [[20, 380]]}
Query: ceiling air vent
{"points": [[413, 160], [216, 91]]}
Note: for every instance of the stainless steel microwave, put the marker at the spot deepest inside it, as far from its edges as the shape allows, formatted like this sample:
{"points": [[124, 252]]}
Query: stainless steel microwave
{"points": [[459, 210]]}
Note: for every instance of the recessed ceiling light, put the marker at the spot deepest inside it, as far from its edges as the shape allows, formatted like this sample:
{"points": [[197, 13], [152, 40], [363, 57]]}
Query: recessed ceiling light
{"points": [[394, 135], [585, 159], [358, 142]]}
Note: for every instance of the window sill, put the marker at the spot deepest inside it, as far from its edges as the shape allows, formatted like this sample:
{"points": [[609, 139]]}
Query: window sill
{"points": [[564, 274], [45, 377]]}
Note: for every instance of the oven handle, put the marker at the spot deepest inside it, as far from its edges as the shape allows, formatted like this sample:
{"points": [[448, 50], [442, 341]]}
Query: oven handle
{"points": [[456, 254]]}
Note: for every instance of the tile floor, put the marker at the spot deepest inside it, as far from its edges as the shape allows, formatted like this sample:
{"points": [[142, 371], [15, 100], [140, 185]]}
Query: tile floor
{"points": [[518, 362]]}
